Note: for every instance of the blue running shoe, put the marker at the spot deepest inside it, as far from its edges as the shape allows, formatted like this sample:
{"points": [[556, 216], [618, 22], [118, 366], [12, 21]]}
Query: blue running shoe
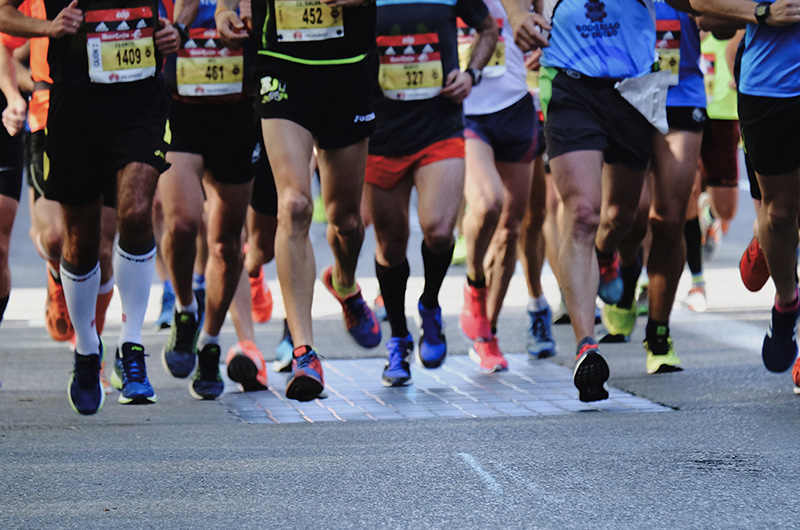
{"points": [[610, 288], [85, 392], [397, 371], [164, 319], [432, 344], [207, 383], [307, 381], [180, 352], [359, 319], [136, 389], [540, 341], [283, 353], [780, 344]]}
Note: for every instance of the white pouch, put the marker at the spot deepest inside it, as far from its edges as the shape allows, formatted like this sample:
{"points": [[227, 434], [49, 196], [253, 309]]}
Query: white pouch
{"points": [[648, 95]]}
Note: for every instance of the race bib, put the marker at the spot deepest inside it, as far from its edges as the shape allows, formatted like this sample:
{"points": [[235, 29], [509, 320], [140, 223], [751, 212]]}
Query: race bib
{"points": [[668, 47], [119, 44], [411, 66], [466, 38], [206, 68], [304, 20]]}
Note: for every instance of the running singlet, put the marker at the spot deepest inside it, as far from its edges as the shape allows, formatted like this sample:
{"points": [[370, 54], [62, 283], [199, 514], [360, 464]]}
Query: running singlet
{"points": [[771, 61], [678, 48], [417, 48], [721, 96], [611, 39], [310, 32], [204, 68], [115, 44], [497, 92]]}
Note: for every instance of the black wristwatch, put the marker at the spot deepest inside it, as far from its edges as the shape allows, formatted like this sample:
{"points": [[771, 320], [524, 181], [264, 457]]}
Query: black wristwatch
{"points": [[182, 32], [762, 13], [475, 74]]}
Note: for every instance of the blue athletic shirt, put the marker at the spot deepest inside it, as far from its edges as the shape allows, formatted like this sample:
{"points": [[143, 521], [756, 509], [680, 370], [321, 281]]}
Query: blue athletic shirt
{"points": [[690, 90], [610, 39], [771, 61]]}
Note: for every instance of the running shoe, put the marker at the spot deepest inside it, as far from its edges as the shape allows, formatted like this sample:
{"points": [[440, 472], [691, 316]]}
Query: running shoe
{"points": [[432, 343], [180, 351], [796, 377], [107, 388], [136, 388], [753, 267], [207, 383], [306, 382], [610, 287], [661, 357], [359, 319], [540, 341], [379, 308], [85, 391], [116, 373], [261, 298], [459, 251], [56, 316], [164, 319], [590, 374], [696, 299], [617, 320], [643, 298], [780, 343], [561, 316], [474, 322], [397, 372], [710, 228], [246, 366], [488, 355], [283, 353]]}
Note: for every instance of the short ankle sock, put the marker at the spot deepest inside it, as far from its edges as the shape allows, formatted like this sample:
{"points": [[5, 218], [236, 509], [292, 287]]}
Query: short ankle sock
{"points": [[342, 291], [698, 280], [537, 304], [590, 341], [656, 330], [204, 339], [302, 350]]}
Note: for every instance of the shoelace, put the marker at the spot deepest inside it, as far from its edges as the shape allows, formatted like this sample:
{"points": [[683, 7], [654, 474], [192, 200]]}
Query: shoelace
{"points": [[431, 328], [183, 333], [306, 359], [87, 370], [539, 329], [209, 366], [355, 311], [396, 354], [134, 367]]}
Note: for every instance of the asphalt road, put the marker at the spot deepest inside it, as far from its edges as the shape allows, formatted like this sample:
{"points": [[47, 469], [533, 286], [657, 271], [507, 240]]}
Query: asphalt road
{"points": [[724, 454]]}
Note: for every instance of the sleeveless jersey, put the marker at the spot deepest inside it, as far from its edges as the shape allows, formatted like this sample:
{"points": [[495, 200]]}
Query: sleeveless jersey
{"points": [[608, 39], [503, 84]]}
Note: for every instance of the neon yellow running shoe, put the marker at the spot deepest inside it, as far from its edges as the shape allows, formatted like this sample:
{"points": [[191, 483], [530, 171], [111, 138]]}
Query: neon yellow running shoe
{"points": [[618, 321], [662, 363]]}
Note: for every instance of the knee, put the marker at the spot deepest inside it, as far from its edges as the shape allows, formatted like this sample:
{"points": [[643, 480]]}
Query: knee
{"points": [[391, 249], [439, 240], [51, 240], [617, 217], [487, 209], [183, 229], [296, 210], [226, 250], [583, 220], [780, 216], [348, 225], [135, 218]]}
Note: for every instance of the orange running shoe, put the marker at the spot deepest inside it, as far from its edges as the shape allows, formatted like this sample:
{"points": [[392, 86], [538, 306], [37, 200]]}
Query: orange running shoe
{"points": [[261, 298], [246, 366], [753, 267], [488, 355], [474, 322], [56, 316], [796, 376]]}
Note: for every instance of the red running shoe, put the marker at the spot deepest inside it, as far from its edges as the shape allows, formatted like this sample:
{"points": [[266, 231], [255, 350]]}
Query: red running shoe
{"points": [[474, 322], [753, 267], [261, 298], [56, 317]]}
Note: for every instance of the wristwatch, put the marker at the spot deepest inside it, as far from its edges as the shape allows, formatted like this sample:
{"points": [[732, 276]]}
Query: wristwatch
{"points": [[475, 74], [762, 13]]}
